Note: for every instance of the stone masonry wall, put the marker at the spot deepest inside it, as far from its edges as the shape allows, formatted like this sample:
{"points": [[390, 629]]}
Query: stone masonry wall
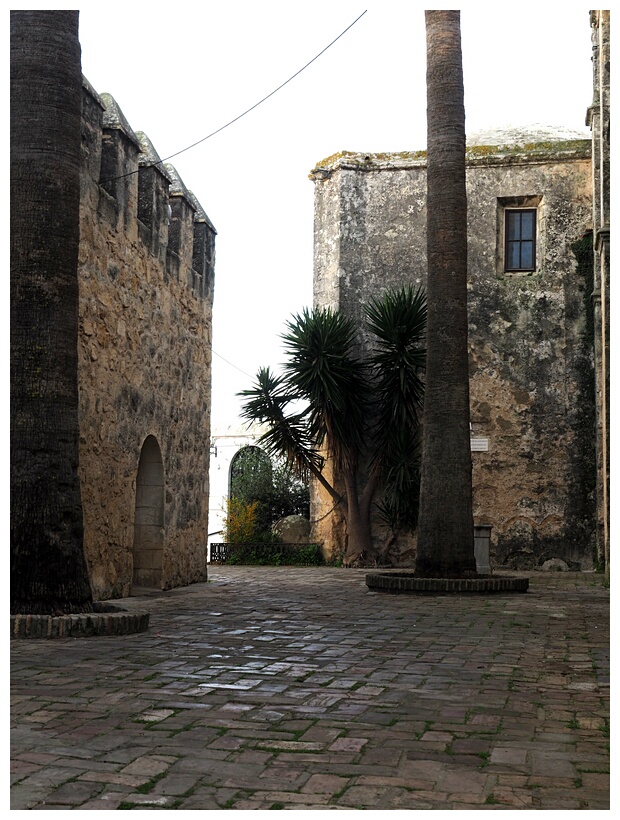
{"points": [[145, 350], [529, 333], [598, 118]]}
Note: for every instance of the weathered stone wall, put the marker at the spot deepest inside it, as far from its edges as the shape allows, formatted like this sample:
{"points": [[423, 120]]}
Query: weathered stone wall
{"points": [[598, 118], [146, 293], [529, 333]]}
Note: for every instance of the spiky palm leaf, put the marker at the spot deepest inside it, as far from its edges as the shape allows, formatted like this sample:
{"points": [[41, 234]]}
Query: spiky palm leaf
{"points": [[398, 321], [401, 460], [324, 369], [286, 435]]}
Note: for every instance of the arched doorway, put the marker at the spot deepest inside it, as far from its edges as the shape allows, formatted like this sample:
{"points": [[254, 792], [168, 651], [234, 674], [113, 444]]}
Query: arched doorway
{"points": [[148, 543], [250, 473]]}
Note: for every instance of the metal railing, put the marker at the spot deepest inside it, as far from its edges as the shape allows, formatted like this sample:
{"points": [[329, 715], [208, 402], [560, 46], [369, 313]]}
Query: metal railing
{"points": [[261, 553]]}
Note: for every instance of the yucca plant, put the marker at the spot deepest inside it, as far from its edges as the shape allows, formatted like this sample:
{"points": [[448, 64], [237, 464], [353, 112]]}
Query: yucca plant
{"points": [[398, 323], [330, 402]]}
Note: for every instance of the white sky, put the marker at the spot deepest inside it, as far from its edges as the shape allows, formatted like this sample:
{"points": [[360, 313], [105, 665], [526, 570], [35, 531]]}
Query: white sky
{"points": [[181, 71]]}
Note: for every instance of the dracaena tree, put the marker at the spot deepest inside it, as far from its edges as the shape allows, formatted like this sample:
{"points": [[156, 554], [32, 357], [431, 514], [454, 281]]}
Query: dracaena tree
{"points": [[359, 411]]}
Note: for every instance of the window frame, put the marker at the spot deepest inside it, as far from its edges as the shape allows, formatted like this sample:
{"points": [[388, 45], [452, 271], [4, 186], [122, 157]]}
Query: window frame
{"points": [[527, 202], [508, 242]]}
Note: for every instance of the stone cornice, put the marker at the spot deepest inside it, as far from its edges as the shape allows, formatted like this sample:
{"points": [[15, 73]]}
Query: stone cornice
{"points": [[497, 155]]}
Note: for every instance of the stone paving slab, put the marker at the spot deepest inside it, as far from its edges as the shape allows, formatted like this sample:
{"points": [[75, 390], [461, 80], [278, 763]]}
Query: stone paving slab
{"points": [[300, 689]]}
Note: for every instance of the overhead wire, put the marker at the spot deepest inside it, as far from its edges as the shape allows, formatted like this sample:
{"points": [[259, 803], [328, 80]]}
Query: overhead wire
{"points": [[231, 364], [248, 110], [275, 91], [236, 119]]}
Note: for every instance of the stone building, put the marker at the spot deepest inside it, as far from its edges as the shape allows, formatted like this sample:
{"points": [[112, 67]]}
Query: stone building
{"points": [[226, 444], [530, 320], [598, 118], [146, 272]]}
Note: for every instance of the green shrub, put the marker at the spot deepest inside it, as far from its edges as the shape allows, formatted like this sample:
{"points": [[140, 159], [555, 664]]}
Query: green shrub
{"points": [[240, 524], [274, 554]]}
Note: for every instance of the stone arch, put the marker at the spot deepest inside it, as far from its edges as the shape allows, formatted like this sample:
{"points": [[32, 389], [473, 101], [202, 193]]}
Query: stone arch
{"points": [[148, 544], [250, 462]]}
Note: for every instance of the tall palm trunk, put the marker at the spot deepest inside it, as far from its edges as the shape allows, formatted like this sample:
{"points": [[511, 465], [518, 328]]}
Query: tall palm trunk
{"points": [[445, 530], [48, 568]]}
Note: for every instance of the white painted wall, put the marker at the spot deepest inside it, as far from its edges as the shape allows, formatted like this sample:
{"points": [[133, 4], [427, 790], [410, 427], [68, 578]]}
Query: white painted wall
{"points": [[225, 442]]}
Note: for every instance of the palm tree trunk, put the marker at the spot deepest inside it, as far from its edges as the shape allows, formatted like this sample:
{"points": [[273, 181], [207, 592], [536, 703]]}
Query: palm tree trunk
{"points": [[48, 568], [445, 529]]}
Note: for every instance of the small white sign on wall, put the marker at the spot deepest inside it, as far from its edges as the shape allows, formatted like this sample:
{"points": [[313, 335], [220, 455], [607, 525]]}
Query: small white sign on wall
{"points": [[479, 445]]}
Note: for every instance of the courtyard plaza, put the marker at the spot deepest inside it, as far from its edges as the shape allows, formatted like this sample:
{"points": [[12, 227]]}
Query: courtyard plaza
{"points": [[298, 688]]}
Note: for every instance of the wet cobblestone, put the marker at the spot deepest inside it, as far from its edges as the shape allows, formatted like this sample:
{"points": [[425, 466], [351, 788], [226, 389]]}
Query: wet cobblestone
{"points": [[298, 688]]}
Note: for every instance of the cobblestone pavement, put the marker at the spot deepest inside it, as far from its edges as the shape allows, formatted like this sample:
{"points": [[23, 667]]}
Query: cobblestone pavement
{"points": [[297, 688]]}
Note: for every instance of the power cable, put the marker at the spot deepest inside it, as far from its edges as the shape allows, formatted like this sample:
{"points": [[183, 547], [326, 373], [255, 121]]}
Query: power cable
{"points": [[231, 364], [193, 145], [247, 111]]}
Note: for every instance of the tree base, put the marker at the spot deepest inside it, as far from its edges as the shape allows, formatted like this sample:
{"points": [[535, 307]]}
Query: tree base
{"points": [[409, 583], [106, 619]]}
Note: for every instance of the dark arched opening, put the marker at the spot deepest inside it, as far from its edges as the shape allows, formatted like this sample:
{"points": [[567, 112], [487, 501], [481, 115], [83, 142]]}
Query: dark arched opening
{"points": [[148, 545]]}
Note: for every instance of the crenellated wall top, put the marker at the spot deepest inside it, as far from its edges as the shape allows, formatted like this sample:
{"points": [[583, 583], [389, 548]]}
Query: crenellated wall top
{"points": [[138, 195]]}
